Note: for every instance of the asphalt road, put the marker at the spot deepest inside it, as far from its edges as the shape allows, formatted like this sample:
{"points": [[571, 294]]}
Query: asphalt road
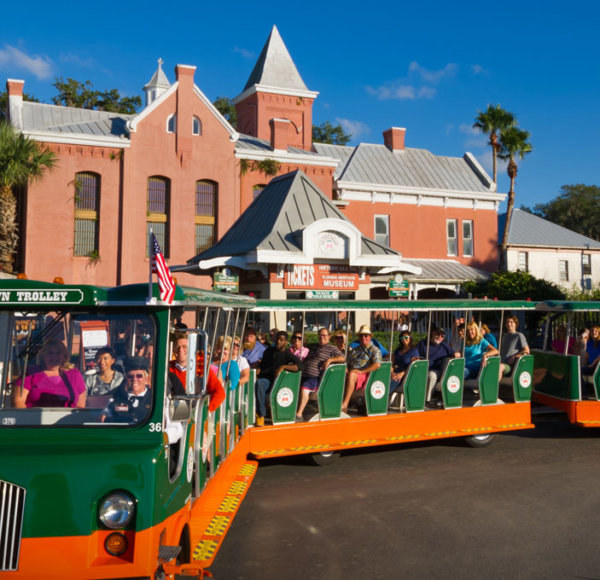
{"points": [[525, 507]]}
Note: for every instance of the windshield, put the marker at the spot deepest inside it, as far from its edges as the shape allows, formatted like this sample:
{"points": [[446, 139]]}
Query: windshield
{"points": [[63, 368]]}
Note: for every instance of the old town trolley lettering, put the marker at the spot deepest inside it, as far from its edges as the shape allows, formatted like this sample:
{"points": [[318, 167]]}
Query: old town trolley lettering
{"points": [[41, 296]]}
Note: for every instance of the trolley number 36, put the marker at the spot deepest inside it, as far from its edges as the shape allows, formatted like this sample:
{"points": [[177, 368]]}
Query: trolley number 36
{"points": [[155, 427]]}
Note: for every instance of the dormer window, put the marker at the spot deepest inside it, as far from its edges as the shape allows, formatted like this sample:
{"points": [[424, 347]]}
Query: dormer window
{"points": [[172, 124], [196, 126]]}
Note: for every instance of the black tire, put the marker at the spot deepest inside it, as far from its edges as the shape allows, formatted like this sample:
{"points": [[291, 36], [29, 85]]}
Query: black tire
{"points": [[482, 440], [324, 458]]}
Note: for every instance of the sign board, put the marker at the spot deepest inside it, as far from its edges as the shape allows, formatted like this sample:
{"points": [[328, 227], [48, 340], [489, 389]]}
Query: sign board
{"points": [[36, 296], [398, 289], [320, 277], [322, 295], [226, 283]]}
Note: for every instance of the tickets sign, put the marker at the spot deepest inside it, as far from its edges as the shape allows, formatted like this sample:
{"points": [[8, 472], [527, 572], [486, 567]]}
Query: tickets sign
{"points": [[320, 277]]}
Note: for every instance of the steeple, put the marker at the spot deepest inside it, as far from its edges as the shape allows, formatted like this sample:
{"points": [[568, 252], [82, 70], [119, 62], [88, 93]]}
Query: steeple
{"points": [[275, 91], [157, 85]]}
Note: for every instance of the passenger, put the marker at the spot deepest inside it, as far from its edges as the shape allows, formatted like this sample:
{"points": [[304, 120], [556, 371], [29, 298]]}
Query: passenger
{"points": [[253, 349], [384, 351], [230, 371], [487, 334], [272, 337], [513, 345], [592, 355], [131, 402], [339, 339], [477, 350], [106, 378], [437, 354], [580, 348], [57, 384], [178, 366], [297, 348], [403, 356], [458, 338], [560, 337], [315, 365], [362, 360], [276, 359], [241, 361]]}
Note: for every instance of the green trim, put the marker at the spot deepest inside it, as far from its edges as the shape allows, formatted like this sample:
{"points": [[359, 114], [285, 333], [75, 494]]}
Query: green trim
{"points": [[566, 306]]}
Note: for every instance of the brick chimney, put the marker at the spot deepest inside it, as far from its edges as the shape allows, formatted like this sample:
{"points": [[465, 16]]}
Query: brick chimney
{"points": [[280, 129], [14, 90], [393, 138], [185, 99]]}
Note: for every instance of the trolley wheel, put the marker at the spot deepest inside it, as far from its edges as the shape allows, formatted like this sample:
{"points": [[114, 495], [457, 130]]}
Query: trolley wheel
{"points": [[323, 458], [482, 440]]}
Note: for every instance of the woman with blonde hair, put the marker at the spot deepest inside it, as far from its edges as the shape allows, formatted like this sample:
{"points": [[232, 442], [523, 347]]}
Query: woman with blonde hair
{"points": [[58, 384], [477, 350], [228, 365]]}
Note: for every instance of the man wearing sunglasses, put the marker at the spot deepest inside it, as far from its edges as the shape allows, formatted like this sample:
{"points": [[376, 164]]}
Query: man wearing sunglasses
{"points": [[297, 348], [132, 400]]}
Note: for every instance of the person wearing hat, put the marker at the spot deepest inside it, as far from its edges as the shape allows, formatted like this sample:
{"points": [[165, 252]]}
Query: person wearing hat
{"points": [[365, 358], [132, 400], [437, 351]]}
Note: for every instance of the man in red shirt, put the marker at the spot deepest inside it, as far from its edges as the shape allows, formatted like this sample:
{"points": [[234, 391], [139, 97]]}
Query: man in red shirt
{"points": [[214, 387]]}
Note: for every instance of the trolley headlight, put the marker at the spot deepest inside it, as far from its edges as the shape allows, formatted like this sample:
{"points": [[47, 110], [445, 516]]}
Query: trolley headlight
{"points": [[116, 510]]}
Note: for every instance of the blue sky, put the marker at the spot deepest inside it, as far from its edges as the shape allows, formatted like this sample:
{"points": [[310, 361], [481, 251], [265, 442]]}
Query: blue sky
{"points": [[426, 66]]}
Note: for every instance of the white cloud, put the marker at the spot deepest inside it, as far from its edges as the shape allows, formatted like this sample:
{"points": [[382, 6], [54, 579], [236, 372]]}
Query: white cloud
{"points": [[477, 69], [244, 52], [355, 128], [401, 92], [433, 76], [11, 58], [75, 58], [469, 129]]}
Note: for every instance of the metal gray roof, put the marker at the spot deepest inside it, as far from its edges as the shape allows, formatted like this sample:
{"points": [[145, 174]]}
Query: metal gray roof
{"points": [[527, 229], [444, 271], [275, 67], [254, 144], [276, 218], [59, 119], [375, 164]]}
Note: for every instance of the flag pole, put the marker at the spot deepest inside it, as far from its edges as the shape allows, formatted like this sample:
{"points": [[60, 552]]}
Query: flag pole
{"points": [[151, 254]]}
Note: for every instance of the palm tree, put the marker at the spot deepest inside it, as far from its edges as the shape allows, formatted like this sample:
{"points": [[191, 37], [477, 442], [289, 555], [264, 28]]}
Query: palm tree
{"points": [[22, 161], [514, 143], [495, 119]]}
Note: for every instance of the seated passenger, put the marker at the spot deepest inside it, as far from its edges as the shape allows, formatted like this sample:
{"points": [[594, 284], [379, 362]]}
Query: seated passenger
{"points": [[560, 338], [458, 338], [339, 339], [315, 365], [436, 352], [592, 354], [241, 361], [485, 330], [131, 402], [58, 384], [229, 368], [403, 356], [580, 348], [178, 367], [477, 350], [275, 360], [253, 349], [106, 378], [298, 349], [362, 360], [512, 346]]}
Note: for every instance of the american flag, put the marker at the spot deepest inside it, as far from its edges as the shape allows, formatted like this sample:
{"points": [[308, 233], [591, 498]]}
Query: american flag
{"points": [[160, 268]]}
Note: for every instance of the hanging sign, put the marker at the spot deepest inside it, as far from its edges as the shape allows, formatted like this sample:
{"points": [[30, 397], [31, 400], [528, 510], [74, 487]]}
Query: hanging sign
{"points": [[320, 277]]}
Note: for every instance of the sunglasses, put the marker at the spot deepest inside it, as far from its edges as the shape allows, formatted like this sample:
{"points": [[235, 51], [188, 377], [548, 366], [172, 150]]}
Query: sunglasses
{"points": [[135, 376], [405, 336], [297, 337], [236, 344]]}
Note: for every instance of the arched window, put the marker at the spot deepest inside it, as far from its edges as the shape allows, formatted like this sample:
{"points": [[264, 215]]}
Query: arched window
{"points": [[157, 220], [196, 126], [206, 205], [87, 205], [257, 190], [172, 124]]}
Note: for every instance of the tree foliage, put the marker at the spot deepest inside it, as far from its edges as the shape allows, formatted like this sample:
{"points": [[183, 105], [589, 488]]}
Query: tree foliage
{"points": [[577, 208], [226, 107], [517, 285], [22, 160], [331, 134], [83, 95], [4, 103]]}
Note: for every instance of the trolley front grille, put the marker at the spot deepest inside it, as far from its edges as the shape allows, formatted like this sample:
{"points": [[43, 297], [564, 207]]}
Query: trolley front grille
{"points": [[12, 506]]}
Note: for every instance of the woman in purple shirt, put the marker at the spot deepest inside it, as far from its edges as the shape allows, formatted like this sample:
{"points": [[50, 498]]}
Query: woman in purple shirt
{"points": [[57, 385]]}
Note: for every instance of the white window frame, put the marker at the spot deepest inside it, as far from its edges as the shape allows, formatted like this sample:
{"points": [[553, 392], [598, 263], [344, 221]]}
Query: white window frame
{"points": [[563, 273], [382, 238], [467, 241], [586, 264], [520, 265], [196, 126], [451, 239], [172, 119]]}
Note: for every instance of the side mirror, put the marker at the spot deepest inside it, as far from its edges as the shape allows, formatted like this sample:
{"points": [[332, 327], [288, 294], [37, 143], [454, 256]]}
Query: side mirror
{"points": [[197, 363]]}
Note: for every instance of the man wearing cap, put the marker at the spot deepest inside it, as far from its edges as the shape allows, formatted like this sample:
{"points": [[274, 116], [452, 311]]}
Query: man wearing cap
{"points": [[436, 353], [365, 358], [132, 400], [253, 349]]}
